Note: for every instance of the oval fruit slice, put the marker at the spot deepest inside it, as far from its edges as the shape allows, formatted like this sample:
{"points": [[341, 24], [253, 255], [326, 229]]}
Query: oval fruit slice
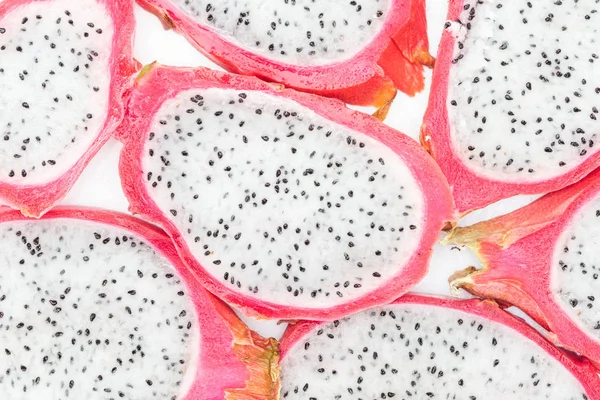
{"points": [[285, 204], [97, 305], [64, 68], [359, 52], [515, 98], [423, 347]]}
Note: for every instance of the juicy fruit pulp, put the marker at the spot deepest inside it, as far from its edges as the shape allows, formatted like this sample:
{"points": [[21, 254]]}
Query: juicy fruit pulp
{"points": [[70, 310], [521, 92], [359, 52], [552, 69], [240, 185], [421, 347], [542, 258], [574, 273], [294, 32], [286, 208], [91, 309], [63, 70]]}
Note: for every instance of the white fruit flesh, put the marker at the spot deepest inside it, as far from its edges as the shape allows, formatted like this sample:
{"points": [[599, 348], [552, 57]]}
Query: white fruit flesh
{"points": [[576, 269], [524, 87], [420, 352], [89, 311], [299, 32], [54, 86], [279, 203]]}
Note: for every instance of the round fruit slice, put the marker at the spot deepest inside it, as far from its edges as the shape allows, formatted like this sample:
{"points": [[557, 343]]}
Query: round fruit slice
{"points": [[285, 204], [515, 98], [97, 305], [360, 52], [424, 347], [543, 259], [64, 68]]}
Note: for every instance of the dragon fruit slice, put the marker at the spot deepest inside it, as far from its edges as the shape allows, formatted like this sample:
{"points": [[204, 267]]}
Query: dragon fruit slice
{"points": [[543, 259], [97, 305], [360, 52], [285, 204], [515, 98], [423, 347], [64, 67]]}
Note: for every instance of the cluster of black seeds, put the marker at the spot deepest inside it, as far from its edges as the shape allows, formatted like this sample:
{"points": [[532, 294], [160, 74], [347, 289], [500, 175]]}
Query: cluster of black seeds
{"points": [[47, 61], [82, 309], [527, 89], [419, 352], [296, 29], [576, 274], [278, 203]]}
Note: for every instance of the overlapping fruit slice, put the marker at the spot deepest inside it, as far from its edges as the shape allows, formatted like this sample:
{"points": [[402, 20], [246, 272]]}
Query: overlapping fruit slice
{"points": [[543, 258], [97, 305], [422, 347], [64, 67], [360, 52], [515, 98], [284, 204]]}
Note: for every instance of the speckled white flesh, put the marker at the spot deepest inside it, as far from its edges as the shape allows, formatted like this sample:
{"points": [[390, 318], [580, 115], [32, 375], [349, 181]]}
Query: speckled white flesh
{"points": [[576, 269], [298, 32], [524, 87], [421, 352], [279, 203], [88, 311], [54, 86]]}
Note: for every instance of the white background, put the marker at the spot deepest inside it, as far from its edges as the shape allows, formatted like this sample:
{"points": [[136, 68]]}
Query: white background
{"points": [[99, 185]]}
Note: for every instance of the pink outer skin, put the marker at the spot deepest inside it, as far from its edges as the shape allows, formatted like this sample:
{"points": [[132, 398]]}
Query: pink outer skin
{"points": [[517, 250], [471, 190], [394, 59], [218, 367], [158, 84], [579, 367], [35, 200]]}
